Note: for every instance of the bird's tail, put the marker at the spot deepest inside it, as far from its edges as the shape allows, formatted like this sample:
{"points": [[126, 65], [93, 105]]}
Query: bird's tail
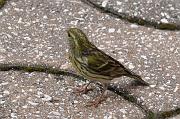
{"points": [[139, 80]]}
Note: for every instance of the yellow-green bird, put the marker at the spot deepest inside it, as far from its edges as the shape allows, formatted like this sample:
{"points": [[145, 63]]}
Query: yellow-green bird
{"points": [[94, 64], [2, 2]]}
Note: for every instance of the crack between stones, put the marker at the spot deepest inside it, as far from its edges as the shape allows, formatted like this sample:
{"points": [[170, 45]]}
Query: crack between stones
{"points": [[133, 19], [122, 92]]}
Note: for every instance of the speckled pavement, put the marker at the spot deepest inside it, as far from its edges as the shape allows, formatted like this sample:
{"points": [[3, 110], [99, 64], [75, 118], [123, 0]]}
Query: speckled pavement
{"points": [[161, 14], [34, 32]]}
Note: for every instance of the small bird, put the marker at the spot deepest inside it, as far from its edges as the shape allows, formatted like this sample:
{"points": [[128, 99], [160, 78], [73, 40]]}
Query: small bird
{"points": [[2, 2], [94, 64]]}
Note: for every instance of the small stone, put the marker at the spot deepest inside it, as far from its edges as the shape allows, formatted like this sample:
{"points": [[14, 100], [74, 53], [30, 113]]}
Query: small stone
{"points": [[119, 3], [162, 88], [134, 26], [20, 20], [143, 56], [152, 86], [25, 106], [2, 101], [164, 20], [171, 8], [121, 60], [6, 92], [46, 79], [33, 103], [13, 115], [174, 77], [47, 98], [4, 83], [13, 4], [111, 30], [172, 49], [176, 88], [27, 38], [123, 111], [56, 113], [162, 14], [147, 77], [131, 66], [104, 3], [120, 10], [45, 17], [119, 31], [75, 102]]}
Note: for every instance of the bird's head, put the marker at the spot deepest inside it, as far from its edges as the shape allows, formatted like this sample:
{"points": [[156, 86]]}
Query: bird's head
{"points": [[77, 39]]}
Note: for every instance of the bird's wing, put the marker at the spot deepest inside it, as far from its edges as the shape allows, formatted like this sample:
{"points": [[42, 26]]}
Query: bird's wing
{"points": [[102, 64]]}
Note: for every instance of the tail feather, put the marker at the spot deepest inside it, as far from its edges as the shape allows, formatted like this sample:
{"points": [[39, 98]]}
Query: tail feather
{"points": [[138, 78]]}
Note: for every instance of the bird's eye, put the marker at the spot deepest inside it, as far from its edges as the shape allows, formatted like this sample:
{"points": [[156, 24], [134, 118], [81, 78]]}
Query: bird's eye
{"points": [[69, 35]]}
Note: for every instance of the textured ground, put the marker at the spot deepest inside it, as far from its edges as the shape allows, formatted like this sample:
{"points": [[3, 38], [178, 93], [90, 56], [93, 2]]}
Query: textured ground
{"points": [[34, 32]]}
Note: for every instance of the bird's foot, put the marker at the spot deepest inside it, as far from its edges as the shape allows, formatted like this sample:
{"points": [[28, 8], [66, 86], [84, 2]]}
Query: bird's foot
{"points": [[96, 102], [82, 90]]}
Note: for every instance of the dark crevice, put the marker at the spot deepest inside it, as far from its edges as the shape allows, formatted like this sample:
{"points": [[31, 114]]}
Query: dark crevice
{"points": [[38, 68], [122, 92], [133, 19], [166, 114], [130, 98]]}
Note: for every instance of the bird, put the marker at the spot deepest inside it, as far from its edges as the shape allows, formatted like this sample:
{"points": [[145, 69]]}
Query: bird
{"points": [[95, 65]]}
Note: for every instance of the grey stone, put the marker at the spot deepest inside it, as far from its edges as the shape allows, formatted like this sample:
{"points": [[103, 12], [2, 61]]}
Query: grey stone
{"points": [[34, 32], [163, 14]]}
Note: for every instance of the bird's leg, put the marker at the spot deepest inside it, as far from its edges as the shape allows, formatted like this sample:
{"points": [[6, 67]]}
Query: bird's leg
{"points": [[99, 99], [83, 89]]}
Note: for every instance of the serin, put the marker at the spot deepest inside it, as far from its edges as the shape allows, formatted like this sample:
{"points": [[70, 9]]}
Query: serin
{"points": [[94, 64]]}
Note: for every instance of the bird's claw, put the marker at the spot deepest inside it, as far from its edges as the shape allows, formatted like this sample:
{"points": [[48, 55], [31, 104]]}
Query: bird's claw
{"points": [[82, 90], [96, 102]]}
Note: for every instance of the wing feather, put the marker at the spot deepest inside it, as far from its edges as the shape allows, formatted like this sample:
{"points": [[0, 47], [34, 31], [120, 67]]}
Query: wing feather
{"points": [[101, 64]]}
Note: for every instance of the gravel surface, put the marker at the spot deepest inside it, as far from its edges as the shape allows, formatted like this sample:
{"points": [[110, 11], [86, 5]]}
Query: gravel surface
{"points": [[35, 32], [157, 13]]}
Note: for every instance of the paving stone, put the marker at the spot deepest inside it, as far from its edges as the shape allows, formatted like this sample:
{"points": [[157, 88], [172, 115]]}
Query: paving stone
{"points": [[146, 12], [35, 32], [41, 95]]}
